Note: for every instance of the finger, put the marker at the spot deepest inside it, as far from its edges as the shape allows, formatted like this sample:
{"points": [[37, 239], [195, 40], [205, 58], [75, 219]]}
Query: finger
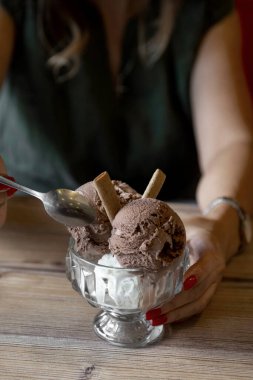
{"points": [[187, 310], [186, 297], [3, 200], [197, 280], [5, 188], [182, 297], [205, 266], [194, 255], [193, 308], [199, 254], [193, 291]]}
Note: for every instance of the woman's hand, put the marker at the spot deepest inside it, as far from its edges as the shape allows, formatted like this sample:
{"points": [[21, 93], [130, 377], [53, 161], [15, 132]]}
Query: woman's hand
{"points": [[5, 193], [207, 263]]}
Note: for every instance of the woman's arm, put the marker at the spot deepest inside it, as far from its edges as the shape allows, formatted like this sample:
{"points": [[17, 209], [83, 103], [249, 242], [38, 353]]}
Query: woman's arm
{"points": [[7, 40], [223, 126], [222, 115]]}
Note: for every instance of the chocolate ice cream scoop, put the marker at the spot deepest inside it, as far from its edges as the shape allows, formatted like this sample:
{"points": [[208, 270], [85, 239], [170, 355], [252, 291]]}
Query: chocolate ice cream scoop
{"points": [[95, 235], [147, 233]]}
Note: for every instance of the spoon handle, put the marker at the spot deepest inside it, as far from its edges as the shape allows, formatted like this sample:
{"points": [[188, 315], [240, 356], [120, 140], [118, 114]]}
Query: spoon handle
{"points": [[25, 189]]}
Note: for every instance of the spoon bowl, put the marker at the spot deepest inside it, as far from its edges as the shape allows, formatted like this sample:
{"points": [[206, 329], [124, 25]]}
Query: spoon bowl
{"points": [[65, 206]]}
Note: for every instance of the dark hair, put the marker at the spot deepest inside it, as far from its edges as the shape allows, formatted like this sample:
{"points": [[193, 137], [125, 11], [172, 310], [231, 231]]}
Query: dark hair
{"points": [[64, 27]]}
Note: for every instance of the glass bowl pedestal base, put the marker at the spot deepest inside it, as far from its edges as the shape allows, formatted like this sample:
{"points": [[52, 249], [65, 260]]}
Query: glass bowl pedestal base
{"points": [[126, 330]]}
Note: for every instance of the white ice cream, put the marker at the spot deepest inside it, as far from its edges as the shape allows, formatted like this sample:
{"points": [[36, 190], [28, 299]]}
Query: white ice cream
{"points": [[121, 287], [109, 260]]}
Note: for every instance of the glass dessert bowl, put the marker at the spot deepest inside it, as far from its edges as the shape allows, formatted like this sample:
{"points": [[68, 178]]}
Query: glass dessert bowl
{"points": [[124, 295]]}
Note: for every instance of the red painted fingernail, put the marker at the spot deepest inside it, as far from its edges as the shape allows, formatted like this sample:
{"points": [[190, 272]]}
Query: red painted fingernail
{"points": [[10, 190], [152, 314], [190, 282], [159, 320], [3, 187]]}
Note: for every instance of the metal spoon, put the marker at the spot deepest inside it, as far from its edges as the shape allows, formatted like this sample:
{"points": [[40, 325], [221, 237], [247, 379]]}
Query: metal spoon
{"points": [[65, 206]]}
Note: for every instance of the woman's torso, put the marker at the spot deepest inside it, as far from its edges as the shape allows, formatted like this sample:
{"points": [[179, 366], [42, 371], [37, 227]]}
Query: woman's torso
{"points": [[64, 134]]}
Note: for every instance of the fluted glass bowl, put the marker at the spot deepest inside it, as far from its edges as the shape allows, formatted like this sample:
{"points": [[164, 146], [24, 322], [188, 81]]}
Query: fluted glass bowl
{"points": [[124, 295]]}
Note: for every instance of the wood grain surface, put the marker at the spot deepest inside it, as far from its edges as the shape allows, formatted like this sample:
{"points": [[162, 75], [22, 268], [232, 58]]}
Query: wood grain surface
{"points": [[46, 327]]}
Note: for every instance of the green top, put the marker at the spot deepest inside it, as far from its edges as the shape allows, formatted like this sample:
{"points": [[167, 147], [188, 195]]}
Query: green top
{"points": [[64, 134]]}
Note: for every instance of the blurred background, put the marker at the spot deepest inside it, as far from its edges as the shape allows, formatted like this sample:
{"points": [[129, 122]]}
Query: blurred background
{"points": [[245, 8]]}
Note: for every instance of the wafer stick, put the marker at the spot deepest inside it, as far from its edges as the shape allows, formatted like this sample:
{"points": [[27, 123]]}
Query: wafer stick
{"points": [[155, 184], [107, 194]]}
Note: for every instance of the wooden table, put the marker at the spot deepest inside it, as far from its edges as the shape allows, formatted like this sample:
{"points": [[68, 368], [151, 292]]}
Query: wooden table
{"points": [[46, 327]]}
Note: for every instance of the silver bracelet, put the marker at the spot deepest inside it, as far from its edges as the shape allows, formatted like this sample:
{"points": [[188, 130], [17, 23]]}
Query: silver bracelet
{"points": [[245, 227]]}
